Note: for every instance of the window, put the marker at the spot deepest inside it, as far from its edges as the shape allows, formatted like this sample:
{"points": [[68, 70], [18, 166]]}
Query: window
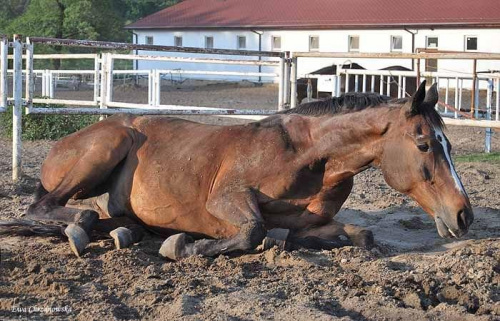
{"points": [[276, 43], [313, 43], [470, 43], [209, 42], [242, 42], [396, 43], [149, 40], [353, 43], [432, 43], [178, 41]]}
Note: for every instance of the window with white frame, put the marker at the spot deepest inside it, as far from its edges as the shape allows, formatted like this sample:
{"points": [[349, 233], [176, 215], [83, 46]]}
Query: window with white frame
{"points": [[396, 43], [209, 42], [432, 43], [313, 43], [149, 40], [471, 43], [241, 42], [178, 41], [276, 43], [353, 43]]}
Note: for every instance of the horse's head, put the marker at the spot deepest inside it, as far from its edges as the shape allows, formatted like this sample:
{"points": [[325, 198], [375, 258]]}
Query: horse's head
{"points": [[416, 161]]}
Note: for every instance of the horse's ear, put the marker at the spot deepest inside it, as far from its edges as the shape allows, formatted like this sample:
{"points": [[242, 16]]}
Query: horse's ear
{"points": [[417, 99], [432, 96]]}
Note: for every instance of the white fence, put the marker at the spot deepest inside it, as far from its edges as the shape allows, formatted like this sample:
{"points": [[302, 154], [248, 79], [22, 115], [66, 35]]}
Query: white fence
{"points": [[4, 47], [102, 76]]}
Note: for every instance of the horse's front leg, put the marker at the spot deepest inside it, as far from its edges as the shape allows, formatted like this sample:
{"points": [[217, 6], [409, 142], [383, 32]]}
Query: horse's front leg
{"points": [[316, 228], [239, 209], [331, 235]]}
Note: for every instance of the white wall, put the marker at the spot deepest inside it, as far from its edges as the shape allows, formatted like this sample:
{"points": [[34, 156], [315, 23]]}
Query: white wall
{"points": [[222, 40], [330, 40]]}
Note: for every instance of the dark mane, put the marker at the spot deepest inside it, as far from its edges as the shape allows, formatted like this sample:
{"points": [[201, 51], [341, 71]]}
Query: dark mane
{"points": [[352, 102], [345, 103]]}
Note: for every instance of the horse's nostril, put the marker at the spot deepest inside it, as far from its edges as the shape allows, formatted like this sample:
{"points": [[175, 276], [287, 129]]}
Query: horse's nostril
{"points": [[462, 220]]}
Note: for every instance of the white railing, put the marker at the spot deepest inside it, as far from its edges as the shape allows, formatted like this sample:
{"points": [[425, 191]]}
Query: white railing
{"points": [[105, 72]]}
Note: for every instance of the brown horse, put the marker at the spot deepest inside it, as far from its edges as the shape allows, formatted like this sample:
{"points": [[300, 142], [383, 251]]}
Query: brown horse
{"points": [[228, 186]]}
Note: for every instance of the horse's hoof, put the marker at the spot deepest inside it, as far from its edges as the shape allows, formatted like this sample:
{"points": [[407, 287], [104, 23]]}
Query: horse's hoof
{"points": [[173, 246], [364, 239], [123, 237], [77, 237], [275, 237]]}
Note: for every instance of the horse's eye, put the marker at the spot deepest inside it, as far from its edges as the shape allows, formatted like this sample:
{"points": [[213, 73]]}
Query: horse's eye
{"points": [[423, 147]]}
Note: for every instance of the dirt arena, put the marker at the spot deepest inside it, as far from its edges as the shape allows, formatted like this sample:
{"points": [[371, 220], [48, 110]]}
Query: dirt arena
{"points": [[412, 274]]}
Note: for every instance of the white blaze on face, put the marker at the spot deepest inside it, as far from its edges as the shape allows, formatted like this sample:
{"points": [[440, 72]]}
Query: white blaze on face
{"points": [[444, 143]]}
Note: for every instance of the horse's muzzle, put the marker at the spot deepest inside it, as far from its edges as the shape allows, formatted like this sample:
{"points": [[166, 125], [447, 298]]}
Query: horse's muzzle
{"points": [[457, 229]]}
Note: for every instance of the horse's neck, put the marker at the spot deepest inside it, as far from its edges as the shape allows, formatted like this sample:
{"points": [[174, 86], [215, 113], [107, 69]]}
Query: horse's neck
{"points": [[350, 142]]}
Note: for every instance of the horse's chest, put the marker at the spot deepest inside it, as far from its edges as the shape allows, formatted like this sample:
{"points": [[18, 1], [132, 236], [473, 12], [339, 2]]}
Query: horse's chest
{"points": [[306, 182], [301, 183]]}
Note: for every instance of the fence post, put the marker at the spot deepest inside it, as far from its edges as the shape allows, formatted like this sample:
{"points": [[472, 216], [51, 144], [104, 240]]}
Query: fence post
{"points": [[104, 83], [338, 84], [150, 87], [488, 132], [286, 88], [293, 83], [110, 78], [4, 48], [309, 90], [30, 85], [418, 74], [157, 84], [281, 92], [52, 84], [476, 99], [457, 90], [96, 79], [497, 112], [473, 104], [17, 110]]}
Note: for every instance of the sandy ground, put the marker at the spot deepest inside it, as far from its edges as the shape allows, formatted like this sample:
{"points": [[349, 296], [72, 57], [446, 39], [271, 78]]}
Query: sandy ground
{"points": [[412, 274]]}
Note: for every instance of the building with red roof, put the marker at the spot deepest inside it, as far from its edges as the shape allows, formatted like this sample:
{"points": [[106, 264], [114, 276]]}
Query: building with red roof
{"points": [[330, 26]]}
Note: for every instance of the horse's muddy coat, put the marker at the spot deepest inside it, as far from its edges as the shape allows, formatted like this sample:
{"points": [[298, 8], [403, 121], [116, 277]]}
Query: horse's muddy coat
{"points": [[228, 185]]}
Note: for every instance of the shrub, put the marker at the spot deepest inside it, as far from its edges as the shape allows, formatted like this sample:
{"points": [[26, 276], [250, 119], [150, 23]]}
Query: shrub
{"points": [[50, 127]]}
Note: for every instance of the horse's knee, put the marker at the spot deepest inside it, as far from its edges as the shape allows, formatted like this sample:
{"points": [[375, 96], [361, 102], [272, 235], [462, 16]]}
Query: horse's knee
{"points": [[251, 235]]}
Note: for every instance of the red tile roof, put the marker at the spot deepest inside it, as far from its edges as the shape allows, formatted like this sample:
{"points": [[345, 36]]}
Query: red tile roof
{"points": [[319, 14]]}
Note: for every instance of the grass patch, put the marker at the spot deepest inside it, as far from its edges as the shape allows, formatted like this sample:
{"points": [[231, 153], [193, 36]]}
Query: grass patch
{"points": [[483, 157], [50, 127]]}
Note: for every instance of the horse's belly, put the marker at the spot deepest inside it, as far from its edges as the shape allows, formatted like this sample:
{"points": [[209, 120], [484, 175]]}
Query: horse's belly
{"points": [[175, 201]]}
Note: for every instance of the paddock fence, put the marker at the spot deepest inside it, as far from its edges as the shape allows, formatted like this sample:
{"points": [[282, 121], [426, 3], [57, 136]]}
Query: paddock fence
{"points": [[283, 66]]}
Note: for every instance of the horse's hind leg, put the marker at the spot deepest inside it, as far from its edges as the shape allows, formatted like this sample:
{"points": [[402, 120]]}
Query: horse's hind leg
{"points": [[75, 167]]}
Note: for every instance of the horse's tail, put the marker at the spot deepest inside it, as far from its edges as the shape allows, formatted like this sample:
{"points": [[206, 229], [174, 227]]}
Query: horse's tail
{"points": [[30, 228]]}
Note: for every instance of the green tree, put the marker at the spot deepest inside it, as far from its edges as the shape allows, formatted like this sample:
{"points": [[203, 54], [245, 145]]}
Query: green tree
{"points": [[10, 9], [134, 10], [80, 19]]}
